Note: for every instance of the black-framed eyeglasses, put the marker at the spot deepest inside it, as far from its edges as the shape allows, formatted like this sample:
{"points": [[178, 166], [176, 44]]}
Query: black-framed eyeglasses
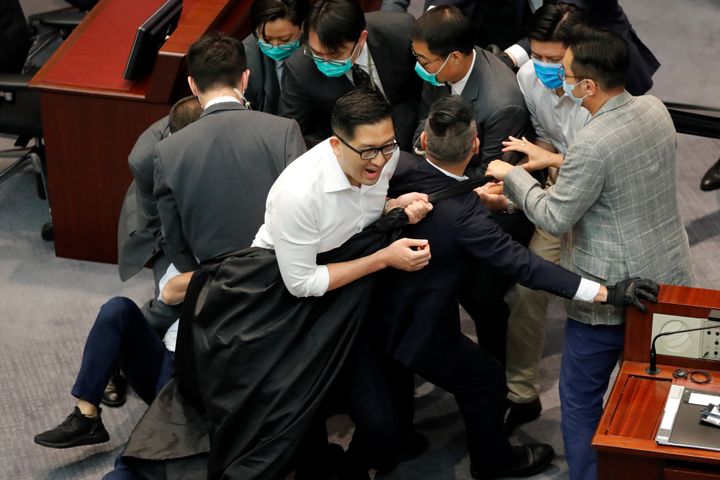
{"points": [[368, 154], [429, 62], [562, 75], [339, 63]]}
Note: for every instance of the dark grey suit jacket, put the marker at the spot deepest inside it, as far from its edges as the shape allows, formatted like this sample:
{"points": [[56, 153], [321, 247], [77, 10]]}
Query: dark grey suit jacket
{"points": [[497, 103], [308, 96], [263, 90], [213, 176], [139, 235]]}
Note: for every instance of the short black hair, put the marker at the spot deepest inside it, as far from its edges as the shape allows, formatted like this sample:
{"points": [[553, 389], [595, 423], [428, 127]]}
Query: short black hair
{"points": [[264, 11], [216, 60], [445, 29], [554, 22], [358, 107], [336, 22], [451, 130], [599, 55], [184, 112]]}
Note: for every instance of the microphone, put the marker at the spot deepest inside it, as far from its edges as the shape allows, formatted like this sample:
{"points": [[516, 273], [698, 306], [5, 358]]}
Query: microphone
{"points": [[652, 368]]}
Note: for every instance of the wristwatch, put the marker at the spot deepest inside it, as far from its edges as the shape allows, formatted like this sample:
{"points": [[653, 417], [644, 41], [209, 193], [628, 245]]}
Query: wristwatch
{"points": [[511, 207]]}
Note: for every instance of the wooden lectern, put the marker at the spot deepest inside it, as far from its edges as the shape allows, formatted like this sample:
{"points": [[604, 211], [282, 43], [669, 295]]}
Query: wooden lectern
{"points": [[625, 438], [92, 117]]}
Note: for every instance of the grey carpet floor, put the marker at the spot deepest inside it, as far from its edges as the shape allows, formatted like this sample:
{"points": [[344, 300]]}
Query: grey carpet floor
{"points": [[47, 304]]}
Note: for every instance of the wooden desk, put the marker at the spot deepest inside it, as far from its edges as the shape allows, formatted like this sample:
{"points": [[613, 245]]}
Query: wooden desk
{"points": [[625, 438]]}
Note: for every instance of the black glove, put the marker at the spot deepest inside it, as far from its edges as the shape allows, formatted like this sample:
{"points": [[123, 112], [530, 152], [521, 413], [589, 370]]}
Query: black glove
{"points": [[631, 290], [504, 57]]}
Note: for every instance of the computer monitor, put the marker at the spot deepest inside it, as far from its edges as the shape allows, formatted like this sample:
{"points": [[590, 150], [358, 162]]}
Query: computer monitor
{"points": [[149, 38]]}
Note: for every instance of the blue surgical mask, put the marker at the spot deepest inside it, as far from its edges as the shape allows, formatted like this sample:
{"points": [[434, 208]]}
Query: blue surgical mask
{"points": [[331, 69], [431, 78], [278, 52], [569, 87], [548, 73]]}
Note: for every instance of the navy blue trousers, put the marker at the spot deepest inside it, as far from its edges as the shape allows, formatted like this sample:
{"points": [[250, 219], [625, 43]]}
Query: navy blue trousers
{"points": [[589, 357], [122, 337]]}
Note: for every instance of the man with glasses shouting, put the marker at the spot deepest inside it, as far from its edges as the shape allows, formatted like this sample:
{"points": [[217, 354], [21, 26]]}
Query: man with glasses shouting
{"points": [[342, 52]]}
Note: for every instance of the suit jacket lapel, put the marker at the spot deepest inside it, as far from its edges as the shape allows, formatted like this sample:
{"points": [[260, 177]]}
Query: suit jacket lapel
{"points": [[471, 92]]}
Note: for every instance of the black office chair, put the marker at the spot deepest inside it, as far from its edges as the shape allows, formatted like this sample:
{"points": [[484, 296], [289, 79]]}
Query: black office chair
{"points": [[19, 105]]}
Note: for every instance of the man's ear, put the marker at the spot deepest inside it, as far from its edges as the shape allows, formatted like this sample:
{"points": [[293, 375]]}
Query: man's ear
{"points": [[423, 141], [476, 146], [244, 79], [335, 145], [591, 87], [193, 86]]}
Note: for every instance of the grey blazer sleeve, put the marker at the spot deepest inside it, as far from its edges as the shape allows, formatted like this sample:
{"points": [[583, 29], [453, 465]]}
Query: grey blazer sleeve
{"points": [[294, 144], [176, 248], [577, 188]]}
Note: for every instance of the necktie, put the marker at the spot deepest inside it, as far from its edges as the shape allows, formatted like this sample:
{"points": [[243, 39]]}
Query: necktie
{"points": [[361, 79]]}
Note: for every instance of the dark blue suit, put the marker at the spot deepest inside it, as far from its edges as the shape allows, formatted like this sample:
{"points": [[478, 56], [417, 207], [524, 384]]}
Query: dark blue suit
{"points": [[415, 315]]}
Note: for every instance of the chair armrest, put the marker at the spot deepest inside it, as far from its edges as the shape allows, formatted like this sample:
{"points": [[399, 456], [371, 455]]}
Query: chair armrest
{"points": [[14, 81], [62, 19]]}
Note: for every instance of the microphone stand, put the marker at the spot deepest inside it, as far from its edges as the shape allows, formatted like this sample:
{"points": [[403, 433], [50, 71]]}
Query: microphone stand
{"points": [[652, 368]]}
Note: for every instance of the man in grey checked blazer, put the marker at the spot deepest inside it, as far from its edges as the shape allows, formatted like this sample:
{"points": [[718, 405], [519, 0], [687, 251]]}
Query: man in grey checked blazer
{"points": [[615, 208]]}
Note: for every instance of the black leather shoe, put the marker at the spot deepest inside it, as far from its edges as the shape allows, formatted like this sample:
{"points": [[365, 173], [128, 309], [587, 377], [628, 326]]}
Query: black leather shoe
{"points": [[520, 413], [76, 430], [529, 460], [711, 179], [115, 393]]}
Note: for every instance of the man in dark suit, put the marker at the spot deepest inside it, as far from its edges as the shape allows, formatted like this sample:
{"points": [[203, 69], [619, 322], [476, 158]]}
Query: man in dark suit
{"points": [[277, 26], [415, 315], [443, 43], [212, 178], [343, 52], [140, 238]]}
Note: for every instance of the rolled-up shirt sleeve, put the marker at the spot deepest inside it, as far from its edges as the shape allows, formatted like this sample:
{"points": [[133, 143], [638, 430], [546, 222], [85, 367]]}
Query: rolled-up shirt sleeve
{"points": [[296, 237]]}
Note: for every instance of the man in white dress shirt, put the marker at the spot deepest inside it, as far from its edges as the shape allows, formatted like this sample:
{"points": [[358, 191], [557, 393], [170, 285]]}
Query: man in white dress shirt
{"points": [[335, 190]]}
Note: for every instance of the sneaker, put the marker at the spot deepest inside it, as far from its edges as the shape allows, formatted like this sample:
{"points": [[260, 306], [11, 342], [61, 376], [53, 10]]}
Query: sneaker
{"points": [[76, 430]]}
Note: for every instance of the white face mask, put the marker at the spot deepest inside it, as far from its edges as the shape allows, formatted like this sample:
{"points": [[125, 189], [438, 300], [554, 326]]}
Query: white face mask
{"points": [[569, 87]]}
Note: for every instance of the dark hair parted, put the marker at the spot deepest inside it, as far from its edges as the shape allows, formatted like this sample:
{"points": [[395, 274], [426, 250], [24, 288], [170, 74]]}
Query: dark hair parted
{"points": [[184, 112], [451, 130], [445, 29], [264, 11], [358, 107], [216, 60], [336, 22], [554, 22], [599, 55]]}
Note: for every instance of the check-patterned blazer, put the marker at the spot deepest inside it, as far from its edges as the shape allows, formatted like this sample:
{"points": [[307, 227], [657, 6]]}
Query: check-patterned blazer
{"points": [[614, 202]]}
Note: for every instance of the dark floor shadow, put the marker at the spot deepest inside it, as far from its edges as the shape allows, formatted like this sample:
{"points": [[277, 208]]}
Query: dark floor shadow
{"points": [[703, 228]]}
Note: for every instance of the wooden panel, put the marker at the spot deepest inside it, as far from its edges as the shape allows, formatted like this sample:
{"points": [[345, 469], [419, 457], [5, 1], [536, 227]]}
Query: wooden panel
{"points": [[87, 141], [672, 300], [635, 415], [628, 467], [676, 473]]}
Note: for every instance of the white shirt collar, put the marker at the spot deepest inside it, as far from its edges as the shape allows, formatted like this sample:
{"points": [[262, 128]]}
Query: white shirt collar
{"points": [[221, 99], [458, 87], [445, 172]]}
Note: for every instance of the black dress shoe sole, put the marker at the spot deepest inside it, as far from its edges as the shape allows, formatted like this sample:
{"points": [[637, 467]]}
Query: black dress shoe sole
{"points": [[114, 403], [76, 442]]}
